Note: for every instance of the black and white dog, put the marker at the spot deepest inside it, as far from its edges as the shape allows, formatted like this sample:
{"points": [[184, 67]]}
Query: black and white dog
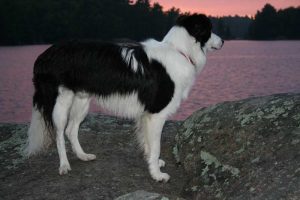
{"points": [[144, 81]]}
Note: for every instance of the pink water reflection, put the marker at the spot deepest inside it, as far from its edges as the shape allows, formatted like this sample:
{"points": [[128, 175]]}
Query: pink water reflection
{"points": [[240, 70]]}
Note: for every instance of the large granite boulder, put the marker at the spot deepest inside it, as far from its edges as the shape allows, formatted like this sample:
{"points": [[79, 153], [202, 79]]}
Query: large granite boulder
{"points": [[248, 149]]}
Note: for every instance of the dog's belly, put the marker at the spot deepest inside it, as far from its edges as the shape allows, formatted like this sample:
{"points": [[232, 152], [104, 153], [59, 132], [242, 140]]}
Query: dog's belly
{"points": [[122, 105]]}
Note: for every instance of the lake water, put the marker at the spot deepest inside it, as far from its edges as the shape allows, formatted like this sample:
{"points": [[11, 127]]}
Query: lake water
{"points": [[241, 69]]}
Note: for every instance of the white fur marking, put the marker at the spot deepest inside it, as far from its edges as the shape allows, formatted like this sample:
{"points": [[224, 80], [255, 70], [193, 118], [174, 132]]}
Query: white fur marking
{"points": [[128, 56], [154, 125], [38, 134], [122, 105], [214, 43], [79, 110], [60, 117]]}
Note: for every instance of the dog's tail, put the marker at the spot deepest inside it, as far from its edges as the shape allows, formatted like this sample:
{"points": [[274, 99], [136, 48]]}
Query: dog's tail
{"points": [[41, 129], [39, 135]]}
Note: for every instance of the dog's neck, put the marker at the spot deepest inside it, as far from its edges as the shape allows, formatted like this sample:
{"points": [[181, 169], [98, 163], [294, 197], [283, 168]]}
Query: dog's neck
{"points": [[187, 57], [179, 38], [185, 44]]}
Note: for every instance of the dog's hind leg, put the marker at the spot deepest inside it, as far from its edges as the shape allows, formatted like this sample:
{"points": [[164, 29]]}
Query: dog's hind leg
{"points": [[154, 124], [78, 112], [60, 118]]}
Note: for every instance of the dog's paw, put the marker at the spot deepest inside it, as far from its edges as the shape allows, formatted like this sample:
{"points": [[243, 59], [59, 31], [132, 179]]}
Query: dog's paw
{"points": [[64, 169], [161, 177], [87, 157], [161, 163]]}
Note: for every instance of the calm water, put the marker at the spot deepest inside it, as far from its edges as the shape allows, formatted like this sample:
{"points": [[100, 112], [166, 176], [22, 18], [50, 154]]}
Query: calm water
{"points": [[241, 69]]}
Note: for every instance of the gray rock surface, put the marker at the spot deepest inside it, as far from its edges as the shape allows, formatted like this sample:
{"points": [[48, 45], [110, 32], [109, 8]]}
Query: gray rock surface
{"points": [[119, 168], [140, 194], [248, 149], [144, 195]]}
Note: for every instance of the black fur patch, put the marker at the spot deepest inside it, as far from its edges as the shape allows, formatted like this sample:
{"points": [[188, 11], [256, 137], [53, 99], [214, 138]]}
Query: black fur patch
{"points": [[198, 25], [99, 69]]}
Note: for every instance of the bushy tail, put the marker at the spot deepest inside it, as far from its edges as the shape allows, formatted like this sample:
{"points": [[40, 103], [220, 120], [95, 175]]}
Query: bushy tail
{"points": [[45, 80], [39, 134]]}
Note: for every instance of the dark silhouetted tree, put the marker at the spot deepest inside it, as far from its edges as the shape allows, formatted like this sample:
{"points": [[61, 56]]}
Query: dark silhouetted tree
{"points": [[270, 24], [265, 24]]}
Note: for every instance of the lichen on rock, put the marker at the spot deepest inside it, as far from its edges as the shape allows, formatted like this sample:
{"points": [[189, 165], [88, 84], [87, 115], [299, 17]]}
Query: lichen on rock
{"points": [[11, 148], [233, 148]]}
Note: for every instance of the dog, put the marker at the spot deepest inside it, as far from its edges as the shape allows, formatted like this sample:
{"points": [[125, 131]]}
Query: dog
{"points": [[145, 81]]}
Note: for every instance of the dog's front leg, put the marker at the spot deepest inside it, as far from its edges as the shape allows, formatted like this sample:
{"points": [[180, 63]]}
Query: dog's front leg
{"points": [[154, 124]]}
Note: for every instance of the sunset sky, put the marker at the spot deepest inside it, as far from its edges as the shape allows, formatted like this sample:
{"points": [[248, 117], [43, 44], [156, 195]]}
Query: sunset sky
{"points": [[225, 7]]}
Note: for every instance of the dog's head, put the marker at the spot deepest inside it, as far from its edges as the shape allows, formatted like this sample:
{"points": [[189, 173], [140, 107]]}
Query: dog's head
{"points": [[199, 26]]}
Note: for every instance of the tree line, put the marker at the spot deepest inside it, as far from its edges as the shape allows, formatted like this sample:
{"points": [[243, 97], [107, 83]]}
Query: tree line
{"points": [[270, 24], [49, 21], [267, 24]]}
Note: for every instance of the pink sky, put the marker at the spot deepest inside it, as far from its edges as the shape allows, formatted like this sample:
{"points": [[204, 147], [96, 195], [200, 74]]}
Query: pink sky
{"points": [[225, 7]]}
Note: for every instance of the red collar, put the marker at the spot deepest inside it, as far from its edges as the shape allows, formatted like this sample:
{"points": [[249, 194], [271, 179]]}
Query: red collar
{"points": [[187, 57]]}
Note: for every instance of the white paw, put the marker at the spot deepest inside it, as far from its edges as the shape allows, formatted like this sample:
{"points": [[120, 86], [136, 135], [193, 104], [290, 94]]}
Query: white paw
{"points": [[87, 157], [64, 169], [161, 163], [161, 177]]}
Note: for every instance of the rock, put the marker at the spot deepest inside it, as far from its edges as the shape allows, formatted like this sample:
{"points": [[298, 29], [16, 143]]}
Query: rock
{"points": [[12, 141], [143, 195], [118, 169], [247, 149], [140, 194]]}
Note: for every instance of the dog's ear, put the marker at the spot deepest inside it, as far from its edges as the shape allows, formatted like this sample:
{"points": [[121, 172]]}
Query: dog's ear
{"points": [[202, 29], [198, 25]]}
